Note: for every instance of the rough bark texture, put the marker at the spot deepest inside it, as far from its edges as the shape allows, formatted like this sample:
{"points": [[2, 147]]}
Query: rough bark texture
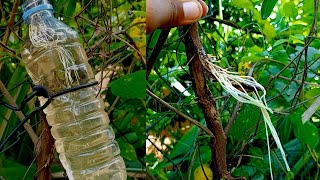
{"points": [[44, 150], [206, 101]]}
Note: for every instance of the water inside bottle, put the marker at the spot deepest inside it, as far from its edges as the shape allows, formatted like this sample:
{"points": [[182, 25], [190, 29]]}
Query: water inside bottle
{"points": [[84, 140]]}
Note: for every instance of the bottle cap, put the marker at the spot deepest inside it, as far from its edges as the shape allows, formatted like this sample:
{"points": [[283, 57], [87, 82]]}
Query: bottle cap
{"points": [[35, 6]]}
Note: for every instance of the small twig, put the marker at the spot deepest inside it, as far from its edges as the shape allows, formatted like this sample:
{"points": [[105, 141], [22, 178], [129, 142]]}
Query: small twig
{"points": [[2, 13], [299, 81], [226, 22], [233, 117], [180, 113], [133, 45], [10, 51], [113, 105], [10, 23], [90, 50]]}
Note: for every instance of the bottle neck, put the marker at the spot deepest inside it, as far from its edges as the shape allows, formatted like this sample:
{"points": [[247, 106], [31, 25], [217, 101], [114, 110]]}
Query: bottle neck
{"points": [[39, 16]]}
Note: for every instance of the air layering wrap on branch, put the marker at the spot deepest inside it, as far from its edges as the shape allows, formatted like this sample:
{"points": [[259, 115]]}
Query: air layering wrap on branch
{"points": [[228, 79], [56, 60]]}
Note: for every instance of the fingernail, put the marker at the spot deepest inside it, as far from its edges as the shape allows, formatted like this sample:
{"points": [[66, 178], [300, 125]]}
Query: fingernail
{"points": [[191, 10]]}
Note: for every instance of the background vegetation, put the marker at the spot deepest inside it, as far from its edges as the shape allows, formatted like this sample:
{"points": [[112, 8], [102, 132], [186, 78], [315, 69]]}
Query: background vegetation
{"points": [[113, 34], [280, 51]]}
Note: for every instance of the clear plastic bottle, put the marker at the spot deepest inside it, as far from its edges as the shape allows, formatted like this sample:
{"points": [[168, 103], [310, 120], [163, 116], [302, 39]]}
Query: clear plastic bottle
{"points": [[55, 59]]}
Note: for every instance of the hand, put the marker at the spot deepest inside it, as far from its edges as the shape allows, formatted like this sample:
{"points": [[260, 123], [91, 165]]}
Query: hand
{"points": [[165, 14]]}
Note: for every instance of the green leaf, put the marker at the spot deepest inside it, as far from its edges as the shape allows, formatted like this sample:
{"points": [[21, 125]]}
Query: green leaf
{"points": [[127, 151], [185, 143], [307, 133], [311, 95], [253, 54], [130, 86], [251, 59], [131, 137], [245, 122], [269, 31], [280, 55], [280, 41], [159, 174], [267, 7], [290, 10], [126, 121], [70, 8], [58, 5], [242, 4], [287, 91], [18, 94], [12, 170], [205, 155], [247, 171], [260, 163], [255, 49]]}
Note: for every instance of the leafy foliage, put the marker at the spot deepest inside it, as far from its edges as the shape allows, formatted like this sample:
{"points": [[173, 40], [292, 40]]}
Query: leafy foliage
{"points": [[113, 34], [274, 41], [130, 86]]}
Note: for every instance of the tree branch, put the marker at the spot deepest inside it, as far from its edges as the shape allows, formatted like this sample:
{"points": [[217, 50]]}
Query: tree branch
{"points": [[10, 23], [207, 102], [44, 150]]}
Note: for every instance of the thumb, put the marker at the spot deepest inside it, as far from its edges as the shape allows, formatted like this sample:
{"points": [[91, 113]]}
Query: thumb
{"points": [[170, 13]]}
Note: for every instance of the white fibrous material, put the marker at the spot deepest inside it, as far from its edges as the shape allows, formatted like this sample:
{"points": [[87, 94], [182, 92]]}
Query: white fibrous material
{"points": [[228, 79], [42, 36]]}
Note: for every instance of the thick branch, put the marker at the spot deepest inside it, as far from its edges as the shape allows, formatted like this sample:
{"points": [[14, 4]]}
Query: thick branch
{"points": [[206, 100], [44, 150]]}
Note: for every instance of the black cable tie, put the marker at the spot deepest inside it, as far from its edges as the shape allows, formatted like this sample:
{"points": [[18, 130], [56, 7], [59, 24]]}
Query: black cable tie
{"points": [[23, 122], [27, 99], [82, 86], [42, 91], [9, 106]]}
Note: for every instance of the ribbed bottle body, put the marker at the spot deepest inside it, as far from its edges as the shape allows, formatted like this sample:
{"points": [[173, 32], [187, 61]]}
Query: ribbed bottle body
{"points": [[80, 125], [84, 140]]}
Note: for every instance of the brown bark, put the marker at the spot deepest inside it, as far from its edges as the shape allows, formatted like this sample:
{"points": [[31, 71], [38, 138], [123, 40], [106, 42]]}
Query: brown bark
{"points": [[44, 150], [207, 102], [10, 23]]}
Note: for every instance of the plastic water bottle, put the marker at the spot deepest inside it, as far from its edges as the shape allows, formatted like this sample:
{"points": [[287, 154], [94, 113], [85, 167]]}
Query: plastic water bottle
{"points": [[55, 59]]}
